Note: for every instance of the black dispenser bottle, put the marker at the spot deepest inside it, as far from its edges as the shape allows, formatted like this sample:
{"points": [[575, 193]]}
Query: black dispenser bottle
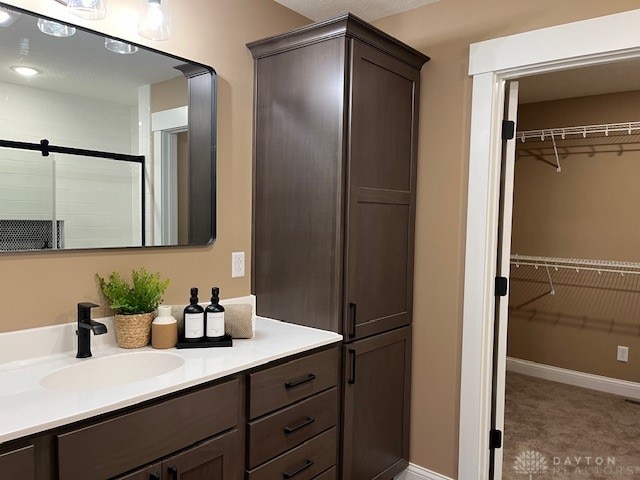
{"points": [[214, 317], [193, 319]]}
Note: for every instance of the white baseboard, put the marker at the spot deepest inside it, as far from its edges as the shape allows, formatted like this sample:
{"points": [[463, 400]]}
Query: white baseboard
{"points": [[571, 377], [415, 472]]}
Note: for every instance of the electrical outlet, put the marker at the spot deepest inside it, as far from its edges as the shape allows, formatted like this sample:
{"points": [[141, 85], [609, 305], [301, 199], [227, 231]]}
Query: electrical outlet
{"points": [[237, 264], [623, 354]]}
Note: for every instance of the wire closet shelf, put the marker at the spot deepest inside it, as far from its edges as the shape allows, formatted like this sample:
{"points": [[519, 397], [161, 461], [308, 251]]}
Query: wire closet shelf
{"points": [[583, 131], [577, 264]]}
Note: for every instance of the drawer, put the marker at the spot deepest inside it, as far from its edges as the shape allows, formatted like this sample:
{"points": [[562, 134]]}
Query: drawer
{"points": [[303, 462], [278, 432], [282, 385], [18, 465], [328, 475], [125, 442]]}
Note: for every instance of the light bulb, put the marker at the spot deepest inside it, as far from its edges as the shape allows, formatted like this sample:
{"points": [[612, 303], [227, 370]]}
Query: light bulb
{"points": [[26, 71], [154, 22], [154, 15]]}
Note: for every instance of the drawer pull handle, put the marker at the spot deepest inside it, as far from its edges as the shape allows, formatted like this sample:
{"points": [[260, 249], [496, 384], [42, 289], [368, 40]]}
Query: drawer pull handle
{"points": [[352, 374], [303, 424], [174, 472], [302, 381], [306, 465], [352, 320]]}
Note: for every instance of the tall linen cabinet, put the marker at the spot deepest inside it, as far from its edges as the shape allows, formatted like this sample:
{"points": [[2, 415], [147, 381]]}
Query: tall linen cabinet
{"points": [[335, 139]]}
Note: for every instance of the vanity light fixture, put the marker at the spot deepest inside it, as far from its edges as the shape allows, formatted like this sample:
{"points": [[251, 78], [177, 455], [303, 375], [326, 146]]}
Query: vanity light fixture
{"points": [[55, 29], [7, 17], [87, 9], [154, 22], [117, 46], [25, 71]]}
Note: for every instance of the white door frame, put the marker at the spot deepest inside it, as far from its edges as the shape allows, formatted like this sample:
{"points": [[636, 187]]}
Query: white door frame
{"points": [[165, 125], [604, 39]]}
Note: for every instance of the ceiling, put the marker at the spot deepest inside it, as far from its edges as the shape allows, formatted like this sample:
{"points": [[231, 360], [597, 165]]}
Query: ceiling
{"points": [[79, 65], [368, 10], [581, 82]]}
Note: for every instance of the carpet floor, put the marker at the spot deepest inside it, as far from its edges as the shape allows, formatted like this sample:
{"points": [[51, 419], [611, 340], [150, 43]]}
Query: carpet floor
{"points": [[559, 431]]}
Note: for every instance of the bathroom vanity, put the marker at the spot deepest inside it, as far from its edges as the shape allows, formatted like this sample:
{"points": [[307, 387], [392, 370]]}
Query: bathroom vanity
{"points": [[266, 407]]}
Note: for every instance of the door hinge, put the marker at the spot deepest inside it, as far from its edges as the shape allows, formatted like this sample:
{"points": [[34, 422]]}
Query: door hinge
{"points": [[501, 286], [495, 439], [508, 129]]}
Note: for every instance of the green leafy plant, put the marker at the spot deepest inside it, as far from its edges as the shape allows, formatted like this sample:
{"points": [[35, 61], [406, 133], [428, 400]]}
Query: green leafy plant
{"points": [[143, 296]]}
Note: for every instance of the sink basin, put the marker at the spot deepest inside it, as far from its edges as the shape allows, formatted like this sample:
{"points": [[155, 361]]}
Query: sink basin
{"points": [[111, 371]]}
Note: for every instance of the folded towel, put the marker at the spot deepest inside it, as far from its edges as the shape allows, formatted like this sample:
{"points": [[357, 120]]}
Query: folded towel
{"points": [[238, 320]]}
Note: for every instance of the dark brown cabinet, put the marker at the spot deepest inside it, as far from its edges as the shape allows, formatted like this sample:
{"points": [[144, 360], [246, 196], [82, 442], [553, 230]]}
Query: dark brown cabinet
{"points": [[335, 148], [18, 464], [376, 401], [293, 417]]}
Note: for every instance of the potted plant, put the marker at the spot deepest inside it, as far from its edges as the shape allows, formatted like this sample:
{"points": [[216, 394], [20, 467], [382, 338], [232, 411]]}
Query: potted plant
{"points": [[133, 304]]}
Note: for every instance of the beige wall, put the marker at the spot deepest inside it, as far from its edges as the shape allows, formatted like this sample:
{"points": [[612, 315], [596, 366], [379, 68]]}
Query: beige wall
{"points": [[209, 32], [169, 94], [589, 210], [444, 31], [214, 32]]}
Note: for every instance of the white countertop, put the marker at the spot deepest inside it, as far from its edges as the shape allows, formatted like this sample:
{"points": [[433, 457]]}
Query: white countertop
{"points": [[27, 408]]}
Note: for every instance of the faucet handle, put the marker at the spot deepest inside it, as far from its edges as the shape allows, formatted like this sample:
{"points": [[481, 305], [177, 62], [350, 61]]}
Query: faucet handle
{"points": [[84, 310]]}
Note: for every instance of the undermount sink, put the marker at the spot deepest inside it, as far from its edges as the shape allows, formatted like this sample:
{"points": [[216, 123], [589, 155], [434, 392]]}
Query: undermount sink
{"points": [[112, 371]]}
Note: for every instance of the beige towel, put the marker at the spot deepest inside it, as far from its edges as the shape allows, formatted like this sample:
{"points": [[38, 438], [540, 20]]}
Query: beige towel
{"points": [[238, 320]]}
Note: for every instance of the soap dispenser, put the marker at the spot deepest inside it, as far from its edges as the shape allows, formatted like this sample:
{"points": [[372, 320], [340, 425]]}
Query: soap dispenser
{"points": [[214, 317], [193, 319]]}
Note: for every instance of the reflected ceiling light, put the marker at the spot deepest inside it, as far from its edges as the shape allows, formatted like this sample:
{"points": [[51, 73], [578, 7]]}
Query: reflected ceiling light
{"points": [[88, 9], [55, 29], [25, 71], [117, 46], [154, 22], [7, 17]]}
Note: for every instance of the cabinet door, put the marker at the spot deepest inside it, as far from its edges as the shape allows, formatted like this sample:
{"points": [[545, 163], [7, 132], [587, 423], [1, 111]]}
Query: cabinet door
{"points": [[18, 465], [376, 406], [381, 193], [215, 459], [152, 472]]}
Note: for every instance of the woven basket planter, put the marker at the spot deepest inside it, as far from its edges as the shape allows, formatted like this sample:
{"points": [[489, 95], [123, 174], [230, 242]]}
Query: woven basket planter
{"points": [[133, 331]]}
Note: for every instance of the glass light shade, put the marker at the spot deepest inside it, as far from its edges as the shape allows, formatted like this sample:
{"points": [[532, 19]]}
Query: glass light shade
{"points": [[117, 46], [55, 29], [8, 17], [154, 22], [88, 9]]}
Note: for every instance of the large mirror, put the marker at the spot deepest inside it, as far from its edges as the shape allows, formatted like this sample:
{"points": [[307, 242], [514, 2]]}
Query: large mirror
{"points": [[103, 144]]}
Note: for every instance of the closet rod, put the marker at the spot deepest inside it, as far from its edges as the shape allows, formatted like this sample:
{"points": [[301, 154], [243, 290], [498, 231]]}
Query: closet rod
{"points": [[583, 130], [577, 264]]}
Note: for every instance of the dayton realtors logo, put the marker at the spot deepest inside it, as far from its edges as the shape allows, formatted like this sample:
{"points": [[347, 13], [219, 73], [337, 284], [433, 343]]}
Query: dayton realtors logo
{"points": [[531, 463]]}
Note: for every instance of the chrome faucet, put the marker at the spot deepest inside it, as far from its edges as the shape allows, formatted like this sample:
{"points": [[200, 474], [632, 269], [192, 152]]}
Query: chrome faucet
{"points": [[85, 327]]}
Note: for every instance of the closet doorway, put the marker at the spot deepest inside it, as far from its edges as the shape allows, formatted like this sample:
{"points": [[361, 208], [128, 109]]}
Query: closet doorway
{"points": [[574, 277]]}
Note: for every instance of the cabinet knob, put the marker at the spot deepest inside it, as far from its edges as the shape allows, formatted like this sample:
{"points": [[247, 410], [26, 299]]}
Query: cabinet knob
{"points": [[154, 476]]}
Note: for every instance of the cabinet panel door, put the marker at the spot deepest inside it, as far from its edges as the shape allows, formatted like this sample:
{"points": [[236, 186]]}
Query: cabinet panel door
{"points": [[382, 178], [376, 406], [298, 184], [212, 460], [18, 465]]}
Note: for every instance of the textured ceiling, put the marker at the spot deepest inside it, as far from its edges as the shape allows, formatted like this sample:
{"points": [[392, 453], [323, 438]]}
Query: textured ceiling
{"points": [[581, 82], [368, 10], [79, 65]]}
